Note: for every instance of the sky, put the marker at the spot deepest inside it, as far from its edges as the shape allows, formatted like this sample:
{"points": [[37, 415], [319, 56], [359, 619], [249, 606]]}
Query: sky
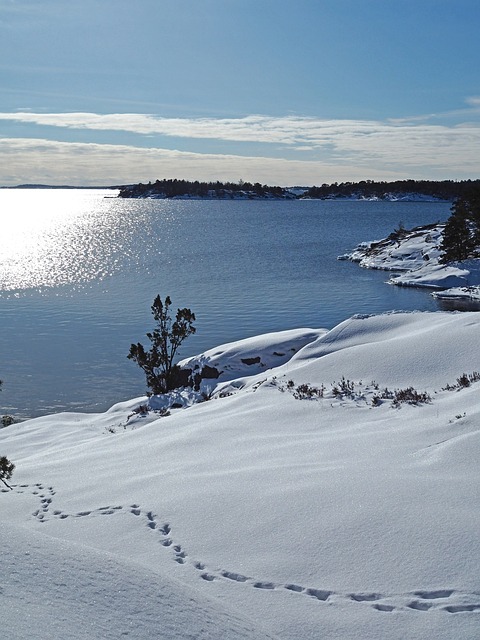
{"points": [[284, 92]]}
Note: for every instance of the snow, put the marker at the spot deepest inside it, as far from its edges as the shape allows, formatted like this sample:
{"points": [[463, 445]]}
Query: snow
{"points": [[256, 514], [415, 257], [387, 196], [459, 293]]}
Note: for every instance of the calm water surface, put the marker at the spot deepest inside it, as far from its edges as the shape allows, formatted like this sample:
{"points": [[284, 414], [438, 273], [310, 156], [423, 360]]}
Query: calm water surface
{"points": [[79, 272]]}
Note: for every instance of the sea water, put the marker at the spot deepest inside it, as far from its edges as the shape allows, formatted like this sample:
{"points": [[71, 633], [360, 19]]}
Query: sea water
{"points": [[79, 270]]}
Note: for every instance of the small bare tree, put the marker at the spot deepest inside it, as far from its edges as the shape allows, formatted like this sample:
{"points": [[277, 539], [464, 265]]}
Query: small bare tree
{"points": [[166, 338]]}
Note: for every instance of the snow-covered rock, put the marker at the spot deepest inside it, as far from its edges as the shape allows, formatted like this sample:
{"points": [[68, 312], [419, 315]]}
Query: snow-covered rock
{"points": [[415, 257], [459, 293]]}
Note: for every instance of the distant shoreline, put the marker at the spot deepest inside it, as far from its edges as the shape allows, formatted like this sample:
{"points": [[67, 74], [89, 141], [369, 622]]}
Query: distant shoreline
{"points": [[400, 190], [369, 190], [64, 186]]}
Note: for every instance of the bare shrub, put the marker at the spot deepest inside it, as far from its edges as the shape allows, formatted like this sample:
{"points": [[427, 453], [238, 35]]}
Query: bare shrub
{"points": [[466, 379], [307, 392], [463, 381], [343, 389], [409, 396]]}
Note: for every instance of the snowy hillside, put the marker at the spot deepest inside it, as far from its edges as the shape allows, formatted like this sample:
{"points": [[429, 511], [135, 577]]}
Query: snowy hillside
{"points": [[327, 490]]}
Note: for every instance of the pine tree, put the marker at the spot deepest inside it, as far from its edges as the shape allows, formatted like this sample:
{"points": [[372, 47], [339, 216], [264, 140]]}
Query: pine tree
{"points": [[461, 236], [457, 241], [166, 338]]}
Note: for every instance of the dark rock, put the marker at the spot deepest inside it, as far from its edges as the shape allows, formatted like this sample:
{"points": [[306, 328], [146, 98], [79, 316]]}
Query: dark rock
{"points": [[182, 378], [210, 372]]}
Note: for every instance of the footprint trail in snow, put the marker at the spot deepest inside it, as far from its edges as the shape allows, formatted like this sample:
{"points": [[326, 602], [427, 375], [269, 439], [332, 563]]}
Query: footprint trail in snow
{"points": [[450, 601]]}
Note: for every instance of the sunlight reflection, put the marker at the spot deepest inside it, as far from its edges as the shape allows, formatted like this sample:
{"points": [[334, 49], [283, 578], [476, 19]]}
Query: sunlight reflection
{"points": [[56, 237]]}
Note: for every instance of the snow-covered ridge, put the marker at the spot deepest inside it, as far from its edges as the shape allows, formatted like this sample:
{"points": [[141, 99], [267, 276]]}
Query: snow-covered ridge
{"points": [[227, 368], [259, 513], [415, 256]]}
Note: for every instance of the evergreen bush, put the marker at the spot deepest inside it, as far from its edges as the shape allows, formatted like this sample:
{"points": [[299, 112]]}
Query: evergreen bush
{"points": [[461, 237], [162, 375], [6, 470]]}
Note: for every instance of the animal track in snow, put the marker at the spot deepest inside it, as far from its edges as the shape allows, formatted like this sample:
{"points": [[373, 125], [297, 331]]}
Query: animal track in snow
{"points": [[420, 605], [383, 607], [460, 608], [418, 602], [180, 555], [295, 587], [365, 597], [319, 594], [433, 595], [237, 577], [264, 585], [208, 577]]}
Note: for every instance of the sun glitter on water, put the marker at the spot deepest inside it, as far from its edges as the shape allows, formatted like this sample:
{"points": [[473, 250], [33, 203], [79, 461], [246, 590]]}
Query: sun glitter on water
{"points": [[53, 237]]}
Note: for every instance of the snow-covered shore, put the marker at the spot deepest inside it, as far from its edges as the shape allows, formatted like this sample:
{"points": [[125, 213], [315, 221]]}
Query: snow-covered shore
{"points": [[415, 256], [308, 498]]}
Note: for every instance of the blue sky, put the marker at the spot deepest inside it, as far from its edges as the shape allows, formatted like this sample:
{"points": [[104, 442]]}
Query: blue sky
{"points": [[276, 91]]}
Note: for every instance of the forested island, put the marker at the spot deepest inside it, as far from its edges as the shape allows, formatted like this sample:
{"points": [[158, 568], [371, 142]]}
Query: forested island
{"points": [[448, 190], [218, 190]]}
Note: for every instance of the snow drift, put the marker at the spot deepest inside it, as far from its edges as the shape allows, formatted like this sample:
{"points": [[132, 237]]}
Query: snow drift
{"points": [[257, 514]]}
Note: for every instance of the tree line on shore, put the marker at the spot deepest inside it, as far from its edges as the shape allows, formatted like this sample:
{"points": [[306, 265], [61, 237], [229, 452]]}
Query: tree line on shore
{"points": [[441, 189], [177, 188], [368, 189]]}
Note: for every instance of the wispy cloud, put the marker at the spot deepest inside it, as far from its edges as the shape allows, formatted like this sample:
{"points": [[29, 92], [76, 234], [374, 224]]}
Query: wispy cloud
{"points": [[254, 128], [289, 149], [368, 143], [471, 111], [474, 101], [288, 130], [50, 162]]}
